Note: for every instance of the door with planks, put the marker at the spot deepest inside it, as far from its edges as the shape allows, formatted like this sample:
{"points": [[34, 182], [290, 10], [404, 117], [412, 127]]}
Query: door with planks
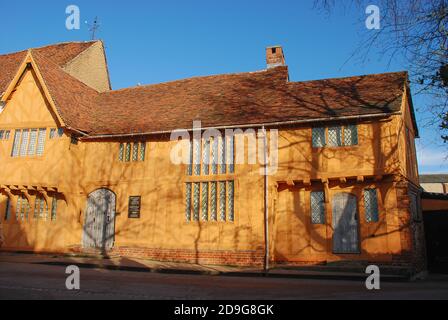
{"points": [[99, 225], [345, 223]]}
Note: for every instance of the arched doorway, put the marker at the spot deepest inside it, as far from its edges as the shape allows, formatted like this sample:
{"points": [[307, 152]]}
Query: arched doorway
{"points": [[99, 224], [345, 223]]}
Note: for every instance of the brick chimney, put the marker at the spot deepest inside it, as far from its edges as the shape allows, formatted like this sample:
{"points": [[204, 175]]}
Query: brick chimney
{"points": [[275, 57]]}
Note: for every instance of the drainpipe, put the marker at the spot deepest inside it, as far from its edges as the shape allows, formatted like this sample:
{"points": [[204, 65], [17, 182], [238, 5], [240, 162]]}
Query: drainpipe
{"points": [[266, 202]]}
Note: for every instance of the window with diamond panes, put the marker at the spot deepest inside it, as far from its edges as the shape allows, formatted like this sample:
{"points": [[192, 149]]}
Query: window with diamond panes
{"points": [[335, 136], [230, 199], [319, 140], [33, 142], [222, 201], [22, 208], [371, 205], [8, 209], [40, 209], [24, 142], [54, 208], [142, 151], [135, 152], [206, 157], [16, 143], [318, 207], [188, 201], [351, 135], [41, 141], [204, 201], [28, 142], [121, 152], [196, 200], [213, 201], [128, 152]]}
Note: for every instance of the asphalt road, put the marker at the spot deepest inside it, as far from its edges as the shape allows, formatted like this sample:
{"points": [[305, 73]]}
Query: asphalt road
{"points": [[30, 281]]}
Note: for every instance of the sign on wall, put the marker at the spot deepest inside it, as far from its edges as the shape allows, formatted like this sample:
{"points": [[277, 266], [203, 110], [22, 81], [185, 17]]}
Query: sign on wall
{"points": [[134, 207]]}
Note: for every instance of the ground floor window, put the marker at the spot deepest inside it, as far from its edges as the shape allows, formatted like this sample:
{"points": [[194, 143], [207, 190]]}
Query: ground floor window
{"points": [[8, 209], [40, 209], [210, 201], [318, 207], [371, 205], [22, 208]]}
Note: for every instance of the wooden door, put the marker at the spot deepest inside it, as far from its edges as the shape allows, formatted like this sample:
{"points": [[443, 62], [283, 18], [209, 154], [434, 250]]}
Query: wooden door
{"points": [[99, 226], [345, 223]]}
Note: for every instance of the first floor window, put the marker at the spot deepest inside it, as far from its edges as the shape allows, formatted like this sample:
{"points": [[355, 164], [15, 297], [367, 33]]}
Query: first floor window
{"points": [[134, 152], [319, 140], [317, 207], [371, 205]]}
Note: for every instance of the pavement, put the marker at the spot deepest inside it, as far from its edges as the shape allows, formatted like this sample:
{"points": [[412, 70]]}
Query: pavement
{"points": [[24, 279], [151, 266]]}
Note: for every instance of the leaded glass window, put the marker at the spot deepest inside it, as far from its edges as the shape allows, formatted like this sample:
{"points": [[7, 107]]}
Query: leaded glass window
{"points": [[222, 155], [335, 137], [23, 208], [319, 137], [40, 209], [7, 133], [188, 201], [41, 141], [197, 157], [215, 155], [52, 133], [222, 201], [196, 201], [16, 143], [121, 152], [317, 207], [213, 201], [206, 157], [231, 202], [190, 159], [371, 205], [135, 152], [24, 142], [54, 208], [142, 151], [18, 207], [231, 153], [128, 152], [351, 135], [60, 132], [8, 209], [2, 134], [33, 142], [204, 201]]}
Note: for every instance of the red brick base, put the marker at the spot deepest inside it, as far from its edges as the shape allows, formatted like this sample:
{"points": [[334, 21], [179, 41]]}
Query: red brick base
{"points": [[229, 258]]}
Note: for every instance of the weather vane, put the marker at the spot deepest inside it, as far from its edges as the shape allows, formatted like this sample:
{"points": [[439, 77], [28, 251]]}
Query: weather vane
{"points": [[93, 28]]}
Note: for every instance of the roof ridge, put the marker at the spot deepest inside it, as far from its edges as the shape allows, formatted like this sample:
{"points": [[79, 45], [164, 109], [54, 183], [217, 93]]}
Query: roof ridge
{"points": [[353, 77], [190, 78], [49, 45]]}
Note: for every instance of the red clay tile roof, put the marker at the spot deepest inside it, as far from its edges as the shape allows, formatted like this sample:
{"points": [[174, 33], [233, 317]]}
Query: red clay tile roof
{"points": [[217, 101], [59, 54], [242, 99]]}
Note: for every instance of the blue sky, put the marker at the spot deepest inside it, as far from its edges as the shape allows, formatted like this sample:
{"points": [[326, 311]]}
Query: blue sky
{"points": [[156, 41]]}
